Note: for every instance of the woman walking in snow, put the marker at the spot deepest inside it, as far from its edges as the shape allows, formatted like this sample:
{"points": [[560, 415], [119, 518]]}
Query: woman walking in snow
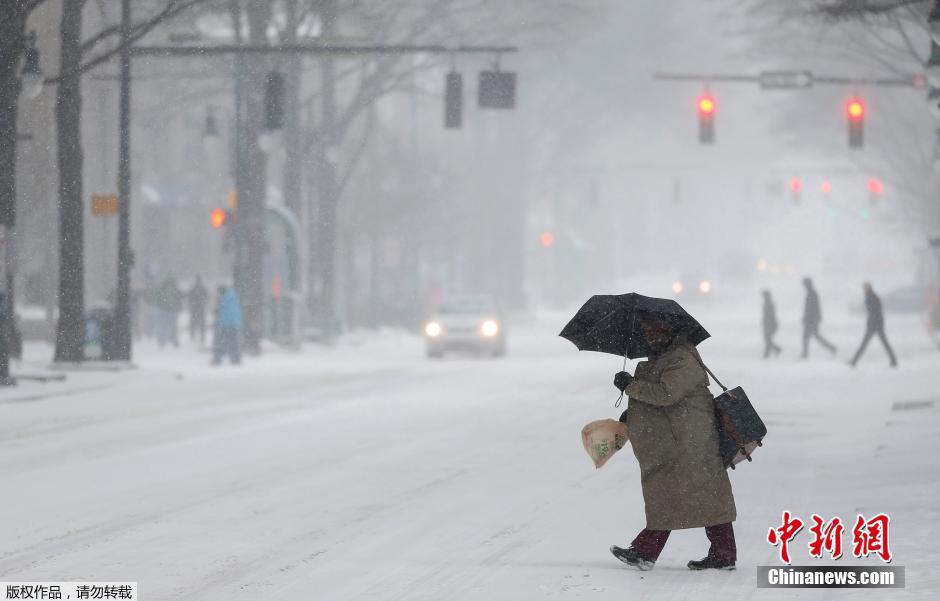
{"points": [[671, 418]]}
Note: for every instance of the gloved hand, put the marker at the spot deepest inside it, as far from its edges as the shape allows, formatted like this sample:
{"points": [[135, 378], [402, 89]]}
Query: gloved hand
{"points": [[622, 380]]}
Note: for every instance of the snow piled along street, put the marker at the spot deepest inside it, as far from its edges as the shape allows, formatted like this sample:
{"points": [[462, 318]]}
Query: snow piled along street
{"points": [[369, 472]]}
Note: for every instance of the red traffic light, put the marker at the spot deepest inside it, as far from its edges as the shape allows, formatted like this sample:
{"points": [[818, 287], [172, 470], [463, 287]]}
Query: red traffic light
{"points": [[706, 105], [826, 187], [875, 186], [855, 109], [796, 185], [217, 218], [547, 239]]}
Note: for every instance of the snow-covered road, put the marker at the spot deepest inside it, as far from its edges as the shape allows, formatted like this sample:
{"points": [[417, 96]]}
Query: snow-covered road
{"points": [[369, 472]]}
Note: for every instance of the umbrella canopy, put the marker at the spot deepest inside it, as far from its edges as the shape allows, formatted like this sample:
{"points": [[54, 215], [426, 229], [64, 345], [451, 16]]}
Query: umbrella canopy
{"points": [[609, 323]]}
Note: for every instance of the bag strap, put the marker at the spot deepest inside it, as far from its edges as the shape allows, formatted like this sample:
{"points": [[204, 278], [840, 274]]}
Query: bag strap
{"points": [[705, 367]]}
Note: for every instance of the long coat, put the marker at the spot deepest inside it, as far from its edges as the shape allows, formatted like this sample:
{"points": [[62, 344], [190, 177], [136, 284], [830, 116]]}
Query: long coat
{"points": [[876, 315], [671, 419]]}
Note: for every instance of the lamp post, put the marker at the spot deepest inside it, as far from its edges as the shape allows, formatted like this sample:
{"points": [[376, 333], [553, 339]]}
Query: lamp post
{"points": [[31, 87]]}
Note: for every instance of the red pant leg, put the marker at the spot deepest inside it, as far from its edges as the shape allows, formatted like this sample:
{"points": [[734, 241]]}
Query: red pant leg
{"points": [[650, 543], [722, 540]]}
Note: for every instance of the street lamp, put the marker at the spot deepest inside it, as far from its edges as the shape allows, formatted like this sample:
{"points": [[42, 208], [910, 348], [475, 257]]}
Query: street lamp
{"points": [[31, 74]]}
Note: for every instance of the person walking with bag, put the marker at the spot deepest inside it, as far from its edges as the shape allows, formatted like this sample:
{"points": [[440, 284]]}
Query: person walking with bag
{"points": [[671, 420], [874, 325]]}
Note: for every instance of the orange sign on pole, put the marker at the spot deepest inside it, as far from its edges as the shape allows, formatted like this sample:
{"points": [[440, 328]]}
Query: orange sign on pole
{"points": [[104, 204]]}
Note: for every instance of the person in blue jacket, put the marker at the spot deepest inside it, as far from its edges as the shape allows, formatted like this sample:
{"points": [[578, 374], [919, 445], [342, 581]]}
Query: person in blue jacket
{"points": [[228, 325]]}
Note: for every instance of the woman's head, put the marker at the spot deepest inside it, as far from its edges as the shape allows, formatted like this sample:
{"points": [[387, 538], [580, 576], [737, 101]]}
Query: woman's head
{"points": [[658, 333]]}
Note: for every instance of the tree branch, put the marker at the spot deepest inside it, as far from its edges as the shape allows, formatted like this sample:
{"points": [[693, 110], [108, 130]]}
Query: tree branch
{"points": [[357, 154], [172, 9]]}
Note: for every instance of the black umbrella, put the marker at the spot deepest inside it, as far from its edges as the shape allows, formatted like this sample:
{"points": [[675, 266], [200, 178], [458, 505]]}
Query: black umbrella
{"points": [[610, 323]]}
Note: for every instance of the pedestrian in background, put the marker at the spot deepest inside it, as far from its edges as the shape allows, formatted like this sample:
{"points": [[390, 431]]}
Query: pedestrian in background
{"points": [[812, 317], [198, 298], [770, 325], [169, 302], [874, 325], [228, 324]]}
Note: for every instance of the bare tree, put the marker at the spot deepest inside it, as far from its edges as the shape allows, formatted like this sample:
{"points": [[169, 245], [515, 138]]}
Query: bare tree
{"points": [[880, 36], [70, 332], [13, 17], [79, 55], [345, 96]]}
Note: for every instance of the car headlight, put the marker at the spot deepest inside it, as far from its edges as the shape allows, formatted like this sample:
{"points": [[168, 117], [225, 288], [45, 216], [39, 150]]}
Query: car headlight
{"points": [[433, 329], [705, 287], [489, 328], [677, 287]]}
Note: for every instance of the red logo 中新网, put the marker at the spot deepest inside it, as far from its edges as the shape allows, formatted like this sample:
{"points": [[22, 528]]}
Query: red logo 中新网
{"points": [[868, 536]]}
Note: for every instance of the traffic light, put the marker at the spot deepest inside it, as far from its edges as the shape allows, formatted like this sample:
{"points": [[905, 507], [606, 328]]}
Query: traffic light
{"points": [[706, 119], [875, 189], [218, 218], [547, 239], [855, 111], [825, 188], [796, 190], [274, 101], [453, 101]]}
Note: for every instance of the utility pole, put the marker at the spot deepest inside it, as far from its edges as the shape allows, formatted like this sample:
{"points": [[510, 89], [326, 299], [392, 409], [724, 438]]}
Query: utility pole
{"points": [[122, 318], [326, 182]]}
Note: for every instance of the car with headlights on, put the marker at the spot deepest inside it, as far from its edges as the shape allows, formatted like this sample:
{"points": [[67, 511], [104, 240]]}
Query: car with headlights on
{"points": [[466, 323], [692, 285]]}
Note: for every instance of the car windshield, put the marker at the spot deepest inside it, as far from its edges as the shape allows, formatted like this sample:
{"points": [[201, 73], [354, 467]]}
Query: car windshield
{"points": [[466, 305]]}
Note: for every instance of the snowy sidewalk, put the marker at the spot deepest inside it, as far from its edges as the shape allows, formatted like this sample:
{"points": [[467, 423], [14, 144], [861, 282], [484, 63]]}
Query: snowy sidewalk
{"points": [[369, 472]]}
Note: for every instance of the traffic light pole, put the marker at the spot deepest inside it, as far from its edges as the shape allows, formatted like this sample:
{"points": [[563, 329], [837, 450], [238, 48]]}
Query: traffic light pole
{"points": [[795, 80], [122, 349], [789, 80]]}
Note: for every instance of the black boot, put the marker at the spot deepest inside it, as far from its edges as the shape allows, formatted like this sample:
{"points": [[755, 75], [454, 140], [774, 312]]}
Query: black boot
{"points": [[632, 557], [711, 563]]}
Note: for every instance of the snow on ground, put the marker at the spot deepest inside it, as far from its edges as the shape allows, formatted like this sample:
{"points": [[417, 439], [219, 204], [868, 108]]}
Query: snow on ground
{"points": [[369, 472]]}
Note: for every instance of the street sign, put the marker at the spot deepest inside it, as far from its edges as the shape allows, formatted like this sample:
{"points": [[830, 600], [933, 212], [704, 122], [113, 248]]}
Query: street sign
{"points": [[786, 80], [104, 204], [497, 90]]}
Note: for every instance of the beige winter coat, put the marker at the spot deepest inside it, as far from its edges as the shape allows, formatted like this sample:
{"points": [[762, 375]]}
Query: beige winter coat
{"points": [[672, 428]]}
